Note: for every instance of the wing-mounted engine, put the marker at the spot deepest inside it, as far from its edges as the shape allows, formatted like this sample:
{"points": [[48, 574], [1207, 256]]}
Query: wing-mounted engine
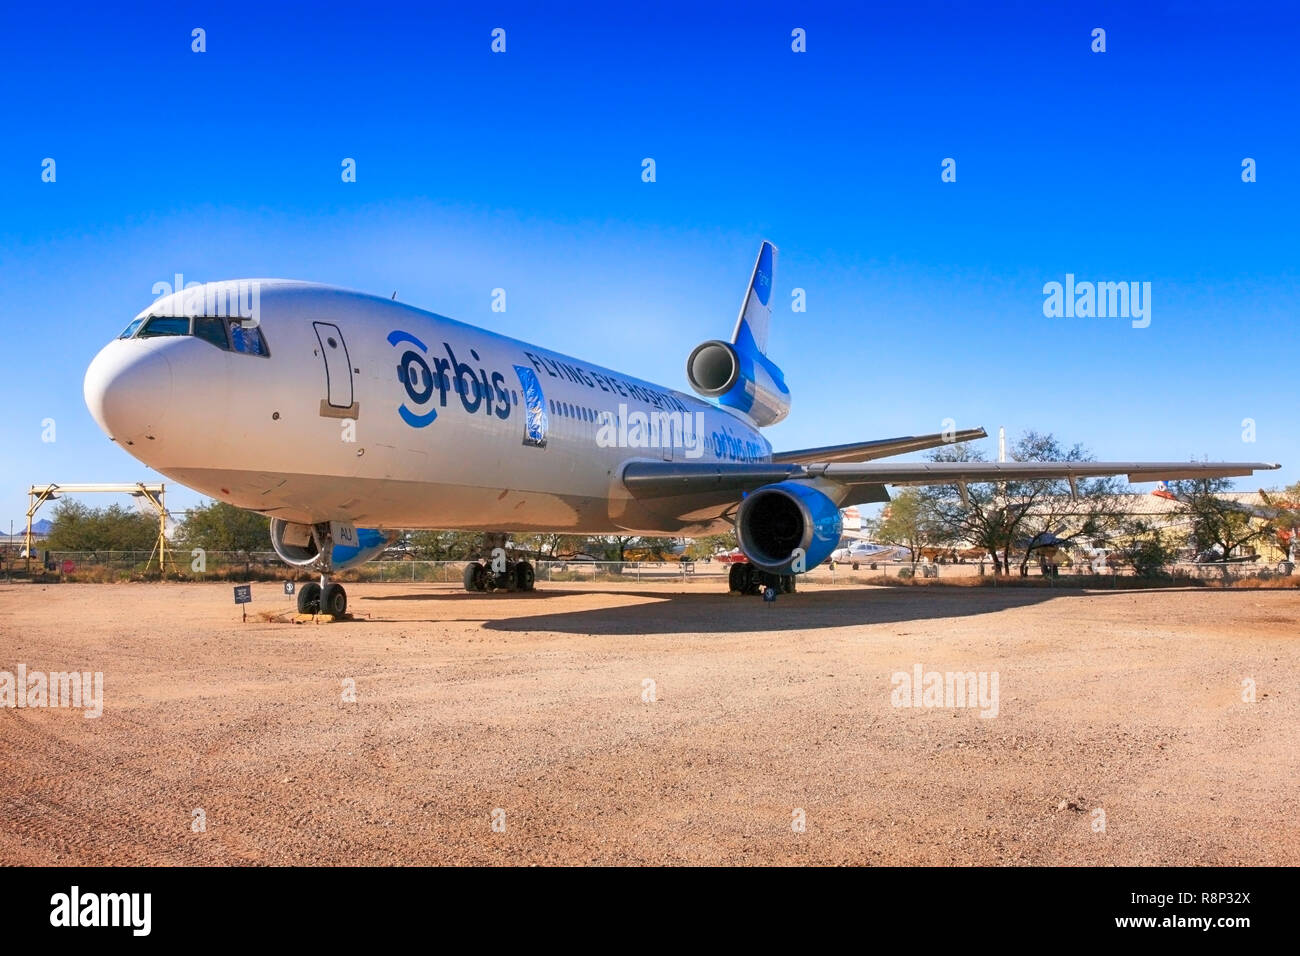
{"points": [[301, 544], [788, 527]]}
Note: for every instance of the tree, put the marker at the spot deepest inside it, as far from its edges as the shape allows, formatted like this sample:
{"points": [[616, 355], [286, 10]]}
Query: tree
{"points": [[1218, 522], [907, 521], [1141, 544], [78, 527], [656, 548], [709, 544], [1284, 506], [218, 526], [979, 520], [614, 546], [1009, 517], [445, 545], [1052, 509]]}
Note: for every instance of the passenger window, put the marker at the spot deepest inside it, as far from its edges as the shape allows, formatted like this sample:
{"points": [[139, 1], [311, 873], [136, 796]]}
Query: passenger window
{"points": [[165, 325], [212, 330], [249, 341]]}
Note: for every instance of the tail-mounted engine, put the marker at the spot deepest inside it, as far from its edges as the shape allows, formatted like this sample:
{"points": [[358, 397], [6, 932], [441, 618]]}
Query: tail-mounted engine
{"points": [[788, 527], [740, 378]]}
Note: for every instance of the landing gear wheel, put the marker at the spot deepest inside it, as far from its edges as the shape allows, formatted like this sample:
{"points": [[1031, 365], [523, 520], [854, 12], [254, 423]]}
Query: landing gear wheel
{"points": [[334, 600], [524, 576], [738, 578], [787, 584], [856, 566], [475, 577], [309, 598]]}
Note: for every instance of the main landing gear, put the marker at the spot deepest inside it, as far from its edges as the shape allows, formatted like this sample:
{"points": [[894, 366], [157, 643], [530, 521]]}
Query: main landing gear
{"points": [[744, 578], [517, 576], [497, 572]]}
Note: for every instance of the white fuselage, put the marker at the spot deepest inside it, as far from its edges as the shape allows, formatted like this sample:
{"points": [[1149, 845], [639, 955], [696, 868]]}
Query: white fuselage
{"points": [[340, 423]]}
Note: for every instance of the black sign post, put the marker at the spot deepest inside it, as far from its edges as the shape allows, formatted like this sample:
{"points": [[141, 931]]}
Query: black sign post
{"points": [[243, 596]]}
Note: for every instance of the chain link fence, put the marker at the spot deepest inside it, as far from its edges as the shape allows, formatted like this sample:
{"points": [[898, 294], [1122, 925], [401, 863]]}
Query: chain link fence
{"points": [[266, 566]]}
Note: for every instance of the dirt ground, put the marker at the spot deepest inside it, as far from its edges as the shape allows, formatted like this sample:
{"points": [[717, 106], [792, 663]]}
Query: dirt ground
{"points": [[535, 711]]}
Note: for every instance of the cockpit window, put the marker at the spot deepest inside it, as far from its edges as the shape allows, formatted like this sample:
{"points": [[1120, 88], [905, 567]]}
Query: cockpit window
{"points": [[213, 330], [246, 340], [130, 329], [229, 335], [165, 325]]}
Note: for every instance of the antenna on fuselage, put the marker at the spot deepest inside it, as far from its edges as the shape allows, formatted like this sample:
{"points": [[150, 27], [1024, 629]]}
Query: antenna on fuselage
{"points": [[394, 293]]}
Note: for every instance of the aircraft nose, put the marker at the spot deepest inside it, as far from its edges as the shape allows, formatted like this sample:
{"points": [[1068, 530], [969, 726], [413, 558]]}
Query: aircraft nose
{"points": [[128, 389]]}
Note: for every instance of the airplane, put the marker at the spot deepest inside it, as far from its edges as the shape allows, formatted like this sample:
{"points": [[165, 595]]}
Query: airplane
{"points": [[344, 417], [865, 552]]}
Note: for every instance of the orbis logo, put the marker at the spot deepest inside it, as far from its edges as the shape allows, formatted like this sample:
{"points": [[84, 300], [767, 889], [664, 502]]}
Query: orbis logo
{"points": [[416, 377], [422, 375]]}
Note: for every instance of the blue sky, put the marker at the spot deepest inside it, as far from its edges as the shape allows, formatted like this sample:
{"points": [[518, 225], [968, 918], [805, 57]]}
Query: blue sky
{"points": [[523, 171]]}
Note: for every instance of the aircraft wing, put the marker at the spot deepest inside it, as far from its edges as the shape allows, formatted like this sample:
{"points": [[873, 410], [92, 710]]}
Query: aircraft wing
{"points": [[881, 448], [664, 479]]}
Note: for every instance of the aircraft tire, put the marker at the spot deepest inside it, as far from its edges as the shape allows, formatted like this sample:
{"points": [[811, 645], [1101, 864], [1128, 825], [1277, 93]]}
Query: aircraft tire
{"points": [[475, 577], [524, 576], [309, 598], [334, 600], [738, 578]]}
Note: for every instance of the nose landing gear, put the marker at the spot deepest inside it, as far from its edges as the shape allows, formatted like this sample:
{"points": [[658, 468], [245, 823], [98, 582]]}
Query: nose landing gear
{"points": [[325, 597]]}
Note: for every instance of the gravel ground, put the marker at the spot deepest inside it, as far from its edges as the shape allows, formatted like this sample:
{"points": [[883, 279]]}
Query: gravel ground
{"points": [[1122, 708]]}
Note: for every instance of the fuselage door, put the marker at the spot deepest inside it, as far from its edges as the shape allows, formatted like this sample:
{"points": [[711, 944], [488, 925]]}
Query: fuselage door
{"points": [[338, 365]]}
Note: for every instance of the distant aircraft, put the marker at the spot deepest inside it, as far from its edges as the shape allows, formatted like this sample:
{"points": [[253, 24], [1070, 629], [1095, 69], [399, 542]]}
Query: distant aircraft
{"points": [[865, 552], [346, 416]]}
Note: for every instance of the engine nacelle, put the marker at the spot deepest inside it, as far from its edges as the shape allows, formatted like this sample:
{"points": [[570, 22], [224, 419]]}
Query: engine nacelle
{"points": [[776, 519], [298, 544], [739, 377]]}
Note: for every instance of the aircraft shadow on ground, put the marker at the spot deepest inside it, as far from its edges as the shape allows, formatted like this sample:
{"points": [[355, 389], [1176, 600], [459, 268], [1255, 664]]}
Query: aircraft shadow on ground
{"points": [[733, 614]]}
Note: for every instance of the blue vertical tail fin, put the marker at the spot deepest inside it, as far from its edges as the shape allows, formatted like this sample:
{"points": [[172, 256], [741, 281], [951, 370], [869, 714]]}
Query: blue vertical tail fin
{"points": [[756, 311]]}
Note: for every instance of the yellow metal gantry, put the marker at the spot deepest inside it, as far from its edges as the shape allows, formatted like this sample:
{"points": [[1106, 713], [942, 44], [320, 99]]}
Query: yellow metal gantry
{"points": [[151, 492]]}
